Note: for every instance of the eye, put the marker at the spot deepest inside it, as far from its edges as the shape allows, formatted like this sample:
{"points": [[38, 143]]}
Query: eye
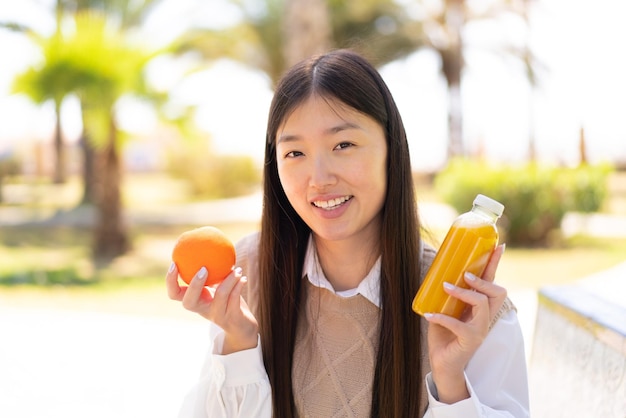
{"points": [[293, 154], [344, 145]]}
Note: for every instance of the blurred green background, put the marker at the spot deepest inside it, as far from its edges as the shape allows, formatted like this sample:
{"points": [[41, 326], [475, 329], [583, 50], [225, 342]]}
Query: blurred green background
{"points": [[125, 123], [116, 144]]}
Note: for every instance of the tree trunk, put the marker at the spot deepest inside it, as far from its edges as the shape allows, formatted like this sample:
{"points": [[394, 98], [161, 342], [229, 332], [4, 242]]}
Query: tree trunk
{"points": [[582, 147], [89, 164], [89, 175], [59, 176], [111, 235], [306, 29], [452, 66], [532, 147], [455, 122]]}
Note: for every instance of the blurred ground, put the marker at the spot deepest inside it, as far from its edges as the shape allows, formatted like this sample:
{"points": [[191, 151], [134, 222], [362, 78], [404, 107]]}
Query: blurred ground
{"points": [[136, 355], [58, 362]]}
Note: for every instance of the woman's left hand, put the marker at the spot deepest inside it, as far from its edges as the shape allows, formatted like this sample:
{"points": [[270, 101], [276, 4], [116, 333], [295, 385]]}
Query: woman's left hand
{"points": [[452, 342]]}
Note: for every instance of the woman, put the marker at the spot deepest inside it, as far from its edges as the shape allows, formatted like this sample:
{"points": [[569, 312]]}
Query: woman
{"points": [[321, 325]]}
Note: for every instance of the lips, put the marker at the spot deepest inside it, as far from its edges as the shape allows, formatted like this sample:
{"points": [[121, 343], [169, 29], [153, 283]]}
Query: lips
{"points": [[332, 203]]}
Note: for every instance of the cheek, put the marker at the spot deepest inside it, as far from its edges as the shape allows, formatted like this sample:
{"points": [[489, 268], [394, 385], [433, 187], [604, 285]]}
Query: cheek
{"points": [[373, 173], [376, 176], [381, 182], [289, 181]]}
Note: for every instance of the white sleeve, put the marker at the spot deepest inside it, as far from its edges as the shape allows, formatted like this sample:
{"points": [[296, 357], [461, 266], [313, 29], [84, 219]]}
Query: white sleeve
{"points": [[233, 385], [496, 378]]}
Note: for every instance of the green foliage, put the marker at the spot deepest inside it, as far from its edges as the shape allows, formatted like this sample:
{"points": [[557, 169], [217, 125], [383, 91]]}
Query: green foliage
{"points": [[381, 29], [10, 165], [589, 187], [66, 276], [96, 61], [213, 176], [535, 198]]}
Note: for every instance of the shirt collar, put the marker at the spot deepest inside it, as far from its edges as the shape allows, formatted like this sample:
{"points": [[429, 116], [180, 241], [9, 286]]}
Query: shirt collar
{"points": [[369, 287]]}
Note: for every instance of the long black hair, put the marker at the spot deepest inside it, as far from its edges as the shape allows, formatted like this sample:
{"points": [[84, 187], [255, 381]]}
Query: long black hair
{"points": [[348, 77]]}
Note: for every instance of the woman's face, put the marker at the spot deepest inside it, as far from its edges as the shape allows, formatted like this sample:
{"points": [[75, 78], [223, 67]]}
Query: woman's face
{"points": [[332, 166]]}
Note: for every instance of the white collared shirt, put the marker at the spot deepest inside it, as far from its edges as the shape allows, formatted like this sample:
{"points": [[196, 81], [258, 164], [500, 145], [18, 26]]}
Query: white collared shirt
{"points": [[368, 288], [237, 385]]}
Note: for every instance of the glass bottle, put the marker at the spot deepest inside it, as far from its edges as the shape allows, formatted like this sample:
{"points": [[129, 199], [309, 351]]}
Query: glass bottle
{"points": [[467, 247]]}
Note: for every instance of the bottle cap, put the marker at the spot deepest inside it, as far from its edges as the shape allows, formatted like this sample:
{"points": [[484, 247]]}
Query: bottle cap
{"points": [[489, 204]]}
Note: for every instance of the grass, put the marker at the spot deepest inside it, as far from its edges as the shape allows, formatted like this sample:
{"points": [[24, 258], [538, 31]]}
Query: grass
{"points": [[61, 256], [51, 266], [577, 258]]}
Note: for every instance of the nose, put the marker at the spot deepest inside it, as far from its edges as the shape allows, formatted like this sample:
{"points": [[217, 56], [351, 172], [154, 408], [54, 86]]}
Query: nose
{"points": [[322, 172]]}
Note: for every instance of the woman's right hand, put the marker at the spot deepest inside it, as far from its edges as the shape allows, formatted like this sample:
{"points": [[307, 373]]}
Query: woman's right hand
{"points": [[222, 305]]}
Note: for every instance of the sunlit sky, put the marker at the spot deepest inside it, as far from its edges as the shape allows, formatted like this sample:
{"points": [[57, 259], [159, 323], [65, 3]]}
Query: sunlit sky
{"points": [[582, 83]]}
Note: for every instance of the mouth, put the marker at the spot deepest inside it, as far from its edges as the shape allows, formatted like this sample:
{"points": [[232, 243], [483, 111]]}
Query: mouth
{"points": [[332, 203]]}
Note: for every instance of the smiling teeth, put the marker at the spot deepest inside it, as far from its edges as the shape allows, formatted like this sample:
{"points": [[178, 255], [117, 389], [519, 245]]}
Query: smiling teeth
{"points": [[331, 204]]}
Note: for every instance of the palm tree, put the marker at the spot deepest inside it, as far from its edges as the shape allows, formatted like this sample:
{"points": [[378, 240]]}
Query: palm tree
{"points": [[276, 33], [42, 87], [49, 83], [115, 68], [381, 29], [443, 33], [97, 63], [306, 29], [44, 84], [129, 16]]}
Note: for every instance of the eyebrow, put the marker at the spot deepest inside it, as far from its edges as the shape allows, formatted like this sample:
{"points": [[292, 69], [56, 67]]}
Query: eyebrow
{"points": [[335, 129]]}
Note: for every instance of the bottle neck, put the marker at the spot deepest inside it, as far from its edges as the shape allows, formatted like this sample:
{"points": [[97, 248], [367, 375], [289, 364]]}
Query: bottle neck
{"points": [[485, 213]]}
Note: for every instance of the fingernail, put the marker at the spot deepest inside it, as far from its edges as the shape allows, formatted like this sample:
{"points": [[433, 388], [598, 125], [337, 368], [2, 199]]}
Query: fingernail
{"points": [[503, 247], [172, 267], [243, 279], [202, 273], [428, 315], [470, 276], [238, 271], [448, 286]]}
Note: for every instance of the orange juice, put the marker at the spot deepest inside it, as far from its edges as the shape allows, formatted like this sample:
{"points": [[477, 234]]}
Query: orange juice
{"points": [[466, 248]]}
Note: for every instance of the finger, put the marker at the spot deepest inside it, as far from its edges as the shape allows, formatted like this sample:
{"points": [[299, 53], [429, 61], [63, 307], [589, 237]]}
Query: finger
{"points": [[478, 305], [452, 324], [196, 290], [224, 291], [234, 299], [174, 291], [495, 294], [486, 287], [490, 271], [468, 296]]}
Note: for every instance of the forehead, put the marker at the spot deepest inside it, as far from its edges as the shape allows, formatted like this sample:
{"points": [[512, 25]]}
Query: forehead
{"points": [[319, 110]]}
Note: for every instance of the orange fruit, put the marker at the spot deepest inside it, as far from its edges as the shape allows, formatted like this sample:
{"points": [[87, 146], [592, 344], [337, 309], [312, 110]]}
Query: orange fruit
{"points": [[204, 247]]}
